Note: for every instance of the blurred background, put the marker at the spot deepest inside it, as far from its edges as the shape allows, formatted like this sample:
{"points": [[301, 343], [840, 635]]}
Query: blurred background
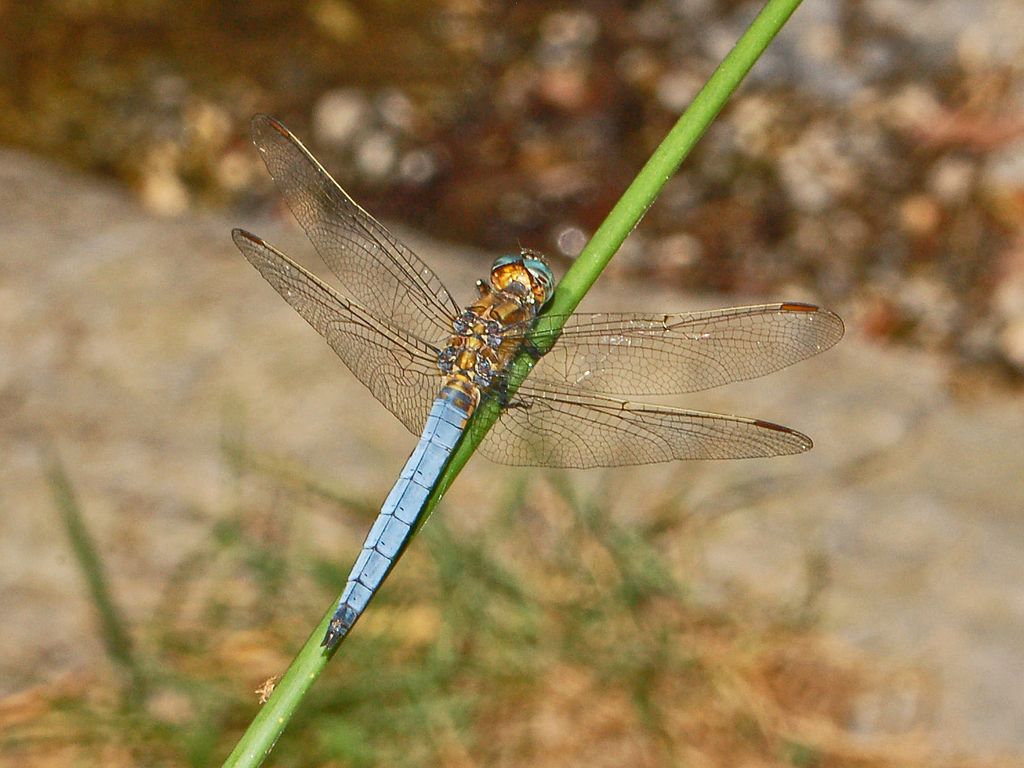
{"points": [[162, 409]]}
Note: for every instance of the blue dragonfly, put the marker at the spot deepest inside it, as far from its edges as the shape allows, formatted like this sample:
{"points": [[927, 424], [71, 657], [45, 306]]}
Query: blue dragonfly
{"points": [[430, 362]]}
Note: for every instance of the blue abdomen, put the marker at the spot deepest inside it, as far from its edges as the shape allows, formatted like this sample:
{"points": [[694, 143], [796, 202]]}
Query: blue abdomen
{"points": [[399, 514]]}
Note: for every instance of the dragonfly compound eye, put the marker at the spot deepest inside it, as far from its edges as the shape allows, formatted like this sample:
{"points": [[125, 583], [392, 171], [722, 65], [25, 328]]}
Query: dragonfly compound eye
{"points": [[541, 277]]}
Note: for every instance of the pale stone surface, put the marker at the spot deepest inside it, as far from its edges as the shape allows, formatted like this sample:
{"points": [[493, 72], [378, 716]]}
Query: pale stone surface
{"points": [[125, 336]]}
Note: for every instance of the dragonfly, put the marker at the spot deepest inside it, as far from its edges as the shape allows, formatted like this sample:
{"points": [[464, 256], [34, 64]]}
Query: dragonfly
{"points": [[431, 362]]}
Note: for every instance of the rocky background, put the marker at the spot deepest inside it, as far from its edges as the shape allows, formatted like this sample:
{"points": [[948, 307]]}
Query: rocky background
{"points": [[873, 157], [871, 590]]}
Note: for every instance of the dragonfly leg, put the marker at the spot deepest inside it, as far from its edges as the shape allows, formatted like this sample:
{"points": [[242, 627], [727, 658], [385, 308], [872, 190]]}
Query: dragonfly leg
{"points": [[500, 391], [531, 349]]}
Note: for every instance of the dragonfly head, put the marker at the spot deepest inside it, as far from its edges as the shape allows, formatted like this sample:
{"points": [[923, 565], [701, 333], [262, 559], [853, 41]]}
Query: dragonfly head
{"points": [[526, 273]]}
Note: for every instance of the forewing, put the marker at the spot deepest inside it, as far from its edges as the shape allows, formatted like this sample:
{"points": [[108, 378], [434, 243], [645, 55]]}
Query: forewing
{"points": [[374, 267], [398, 369], [541, 429], [626, 354]]}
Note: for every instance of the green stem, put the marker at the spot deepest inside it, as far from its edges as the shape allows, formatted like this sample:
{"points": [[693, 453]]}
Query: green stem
{"points": [[112, 627], [627, 213], [265, 729], [261, 735]]}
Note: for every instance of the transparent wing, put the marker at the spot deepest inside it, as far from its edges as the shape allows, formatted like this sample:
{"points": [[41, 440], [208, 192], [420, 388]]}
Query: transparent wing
{"points": [[374, 267], [625, 354], [542, 429], [399, 369]]}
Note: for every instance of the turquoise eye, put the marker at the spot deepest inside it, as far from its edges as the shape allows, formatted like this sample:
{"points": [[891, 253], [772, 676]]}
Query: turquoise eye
{"points": [[542, 273], [508, 258]]}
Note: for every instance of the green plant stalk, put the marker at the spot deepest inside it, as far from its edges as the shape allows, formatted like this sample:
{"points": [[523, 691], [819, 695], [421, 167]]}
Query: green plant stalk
{"points": [[624, 218], [115, 636], [271, 720]]}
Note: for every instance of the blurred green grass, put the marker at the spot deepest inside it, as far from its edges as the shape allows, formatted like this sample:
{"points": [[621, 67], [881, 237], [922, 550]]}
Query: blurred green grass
{"points": [[550, 634]]}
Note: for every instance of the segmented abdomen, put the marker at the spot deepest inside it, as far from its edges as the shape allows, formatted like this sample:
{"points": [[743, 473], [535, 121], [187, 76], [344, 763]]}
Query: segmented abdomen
{"points": [[400, 512]]}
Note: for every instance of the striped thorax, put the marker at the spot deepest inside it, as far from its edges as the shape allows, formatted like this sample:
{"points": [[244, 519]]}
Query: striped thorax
{"points": [[477, 351]]}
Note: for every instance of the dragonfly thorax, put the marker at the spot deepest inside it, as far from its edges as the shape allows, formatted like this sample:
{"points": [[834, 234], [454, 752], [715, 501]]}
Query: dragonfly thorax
{"points": [[471, 356], [480, 348]]}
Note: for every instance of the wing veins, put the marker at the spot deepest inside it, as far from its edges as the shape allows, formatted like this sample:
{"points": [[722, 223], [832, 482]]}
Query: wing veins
{"points": [[378, 354], [624, 354], [337, 224], [590, 430]]}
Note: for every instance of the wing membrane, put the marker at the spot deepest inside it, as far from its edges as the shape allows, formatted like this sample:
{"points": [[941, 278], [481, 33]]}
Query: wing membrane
{"points": [[542, 429], [374, 267], [399, 369], [560, 416], [628, 354]]}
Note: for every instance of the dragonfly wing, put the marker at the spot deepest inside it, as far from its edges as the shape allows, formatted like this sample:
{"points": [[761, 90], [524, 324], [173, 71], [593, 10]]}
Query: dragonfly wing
{"points": [[625, 354], [544, 429], [374, 267], [399, 369]]}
